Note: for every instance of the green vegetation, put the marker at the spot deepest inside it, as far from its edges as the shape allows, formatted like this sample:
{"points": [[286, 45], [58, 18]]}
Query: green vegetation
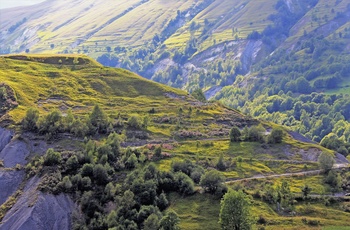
{"points": [[158, 160], [235, 211], [211, 181], [326, 161], [235, 134]]}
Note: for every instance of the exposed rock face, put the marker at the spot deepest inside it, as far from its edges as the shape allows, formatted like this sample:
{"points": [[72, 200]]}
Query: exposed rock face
{"points": [[35, 210], [14, 153], [9, 180], [5, 137], [340, 159], [9, 183], [12, 150]]}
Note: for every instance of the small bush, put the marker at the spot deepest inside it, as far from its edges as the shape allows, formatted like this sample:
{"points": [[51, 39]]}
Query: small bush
{"points": [[275, 136], [184, 183], [158, 152], [52, 158], [30, 120], [100, 174], [262, 220], [134, 122]]}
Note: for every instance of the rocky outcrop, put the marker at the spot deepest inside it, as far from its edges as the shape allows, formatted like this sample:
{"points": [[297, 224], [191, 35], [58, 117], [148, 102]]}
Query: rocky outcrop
{"points": [[5, 138], [9, 179], [250, 54], [35, 210], [13, 150], [14, 153], [9, 183]]}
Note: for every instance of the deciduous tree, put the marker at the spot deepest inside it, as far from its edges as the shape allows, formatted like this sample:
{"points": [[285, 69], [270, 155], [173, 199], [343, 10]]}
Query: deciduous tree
{"points": [[235, 212]]}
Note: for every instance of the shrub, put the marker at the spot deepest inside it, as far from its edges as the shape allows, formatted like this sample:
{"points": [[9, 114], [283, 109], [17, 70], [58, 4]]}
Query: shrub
{"points": [[30, 120], [51, 124], [170, 221], [333, 179], [100, 174], [211, 181], [185, 166], [235, 134], [158, 152], [79, 128], [184, 183], [134, 122], [66, 184], [52, 157], [87, 170], [72, 163], [196, 175], [275, 136], [221, 165], [326, 161], [98, 120], [255, 133], [262, 220]]}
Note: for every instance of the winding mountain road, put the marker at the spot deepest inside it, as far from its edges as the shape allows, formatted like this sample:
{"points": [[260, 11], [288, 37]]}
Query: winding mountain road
{"points": [[303, 173]]}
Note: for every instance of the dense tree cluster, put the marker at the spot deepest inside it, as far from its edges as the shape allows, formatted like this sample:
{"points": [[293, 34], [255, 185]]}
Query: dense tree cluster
{"points": [[135, 190], [90, 176], [320, 117], [97, 122], [256, 133]]}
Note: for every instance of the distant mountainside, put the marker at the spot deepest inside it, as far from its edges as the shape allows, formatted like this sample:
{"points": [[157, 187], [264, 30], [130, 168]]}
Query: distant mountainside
{"points": [[186, 44], [92, 25]]}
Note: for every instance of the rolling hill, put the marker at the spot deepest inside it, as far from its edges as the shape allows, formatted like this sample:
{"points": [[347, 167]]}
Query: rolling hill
{"points": [[161, 131]]}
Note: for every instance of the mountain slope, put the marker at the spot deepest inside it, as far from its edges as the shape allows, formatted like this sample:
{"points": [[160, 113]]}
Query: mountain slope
{"points": [[74, 81], [173, 131], [93, 25], [185, 44]]}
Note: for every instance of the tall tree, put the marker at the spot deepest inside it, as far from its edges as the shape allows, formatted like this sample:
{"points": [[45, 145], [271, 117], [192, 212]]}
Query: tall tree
{"points": [[199, 95], [326, 161], [235, 212], [235, 134], [170, 221], [98, 120]]}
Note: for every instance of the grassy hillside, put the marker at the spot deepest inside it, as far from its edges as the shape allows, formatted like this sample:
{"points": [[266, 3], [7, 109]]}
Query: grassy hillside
{"points": [[92, 25], [77, 82], [182, 134]]}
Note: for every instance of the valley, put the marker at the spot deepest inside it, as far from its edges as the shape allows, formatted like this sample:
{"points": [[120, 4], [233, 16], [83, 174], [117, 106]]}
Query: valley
{"points": [[149, 114]]}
